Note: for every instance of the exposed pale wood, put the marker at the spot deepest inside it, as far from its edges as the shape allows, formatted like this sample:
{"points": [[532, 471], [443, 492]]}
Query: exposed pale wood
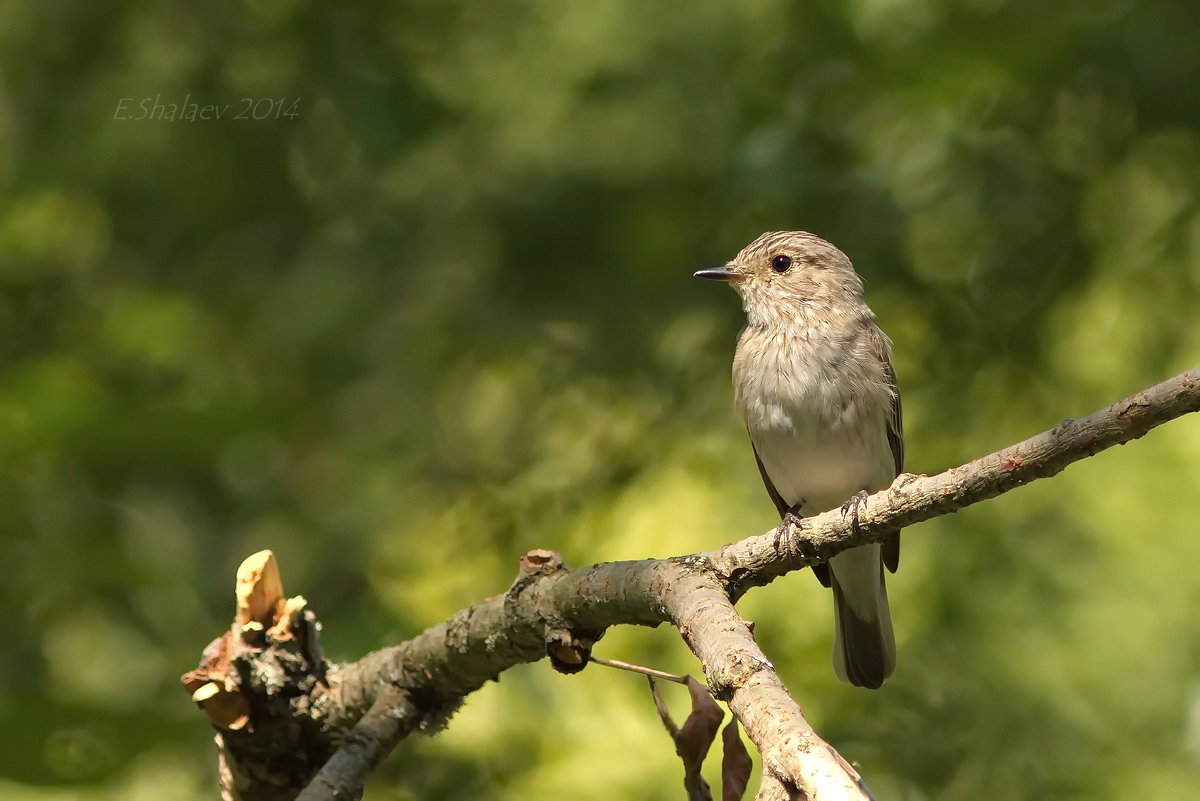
{"points": [[259, 590]]}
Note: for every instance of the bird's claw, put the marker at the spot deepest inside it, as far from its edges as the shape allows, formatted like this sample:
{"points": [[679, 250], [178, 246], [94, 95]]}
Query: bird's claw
{"points": [[792, 517], [790, 522], [852, 505]]}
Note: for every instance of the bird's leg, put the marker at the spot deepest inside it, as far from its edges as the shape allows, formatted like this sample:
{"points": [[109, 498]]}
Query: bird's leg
{"points": [[852, 505], [792, 517], [791, 521]]}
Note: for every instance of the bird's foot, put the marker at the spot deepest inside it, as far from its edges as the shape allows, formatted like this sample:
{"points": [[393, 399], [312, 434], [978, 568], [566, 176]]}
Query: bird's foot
{"points": [[792, 517], [852, 505], [790, 522]]}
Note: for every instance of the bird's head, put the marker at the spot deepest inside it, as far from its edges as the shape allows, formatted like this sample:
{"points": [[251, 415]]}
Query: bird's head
{"points": [[784, 274]]}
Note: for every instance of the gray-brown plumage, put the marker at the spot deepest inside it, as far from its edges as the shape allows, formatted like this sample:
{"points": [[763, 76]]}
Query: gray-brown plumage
{"points": [[813, 379]]}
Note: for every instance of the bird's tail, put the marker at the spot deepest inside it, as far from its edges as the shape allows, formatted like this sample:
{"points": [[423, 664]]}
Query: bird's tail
{"points": [[864, 647]]}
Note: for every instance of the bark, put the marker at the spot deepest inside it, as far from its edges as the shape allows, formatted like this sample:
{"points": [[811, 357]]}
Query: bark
{"points": [[288, 721]]}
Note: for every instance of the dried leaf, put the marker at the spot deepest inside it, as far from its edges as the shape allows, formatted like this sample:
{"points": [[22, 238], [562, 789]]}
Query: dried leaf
{"points": [[735, 763], [695, 737], [700, 729], [663, 713]]}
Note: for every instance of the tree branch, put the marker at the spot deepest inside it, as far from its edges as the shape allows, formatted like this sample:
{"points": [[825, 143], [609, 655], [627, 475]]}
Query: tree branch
{"points": [[740, 674], [912, 499], [269, 691], [387, 722]]}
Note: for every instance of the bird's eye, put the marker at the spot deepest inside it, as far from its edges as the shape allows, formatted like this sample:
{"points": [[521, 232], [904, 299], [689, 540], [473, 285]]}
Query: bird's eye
{"points": [[781, 263]]}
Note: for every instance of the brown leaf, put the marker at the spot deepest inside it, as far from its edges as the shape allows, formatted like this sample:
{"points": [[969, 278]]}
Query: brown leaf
{"points": [[700, 729], [663, 713], [735, 763], [695, 737]]}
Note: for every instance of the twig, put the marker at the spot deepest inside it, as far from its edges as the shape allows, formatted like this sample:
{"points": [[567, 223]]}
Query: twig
{"points": [[645, 671]]}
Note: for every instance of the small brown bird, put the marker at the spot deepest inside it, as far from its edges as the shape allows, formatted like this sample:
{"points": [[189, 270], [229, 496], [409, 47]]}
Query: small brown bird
{"points": [[813, 378]]}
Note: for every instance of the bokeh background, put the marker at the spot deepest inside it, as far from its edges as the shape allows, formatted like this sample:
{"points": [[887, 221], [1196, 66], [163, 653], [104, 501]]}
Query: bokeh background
{"points": [[436, 309]]}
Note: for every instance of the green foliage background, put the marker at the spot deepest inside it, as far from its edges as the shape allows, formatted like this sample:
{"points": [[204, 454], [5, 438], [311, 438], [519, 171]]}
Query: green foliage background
{"points": [[445, 315]]}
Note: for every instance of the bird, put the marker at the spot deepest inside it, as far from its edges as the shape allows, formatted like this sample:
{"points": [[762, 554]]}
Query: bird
{"points": [[813, 379]]}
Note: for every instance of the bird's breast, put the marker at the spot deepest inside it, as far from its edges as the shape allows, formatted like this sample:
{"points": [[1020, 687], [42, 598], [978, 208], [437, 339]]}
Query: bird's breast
{"points": [[816, 409]]}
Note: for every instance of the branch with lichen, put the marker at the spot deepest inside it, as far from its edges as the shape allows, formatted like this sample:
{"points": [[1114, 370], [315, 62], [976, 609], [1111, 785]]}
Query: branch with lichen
{"points": [[291, 725]]}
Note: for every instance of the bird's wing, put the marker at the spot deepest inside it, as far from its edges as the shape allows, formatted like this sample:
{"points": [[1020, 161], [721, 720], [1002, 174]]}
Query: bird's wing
{"points": [[895, 436], [821, 571], [780, 503]]}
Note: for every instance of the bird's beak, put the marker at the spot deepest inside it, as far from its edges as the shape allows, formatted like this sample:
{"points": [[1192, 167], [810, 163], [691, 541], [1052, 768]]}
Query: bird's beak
{"points": [[723, 273]]}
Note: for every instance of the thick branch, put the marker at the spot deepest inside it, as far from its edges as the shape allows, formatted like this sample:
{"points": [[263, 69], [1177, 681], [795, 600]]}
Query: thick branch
{"points": [[740, 674], [434, 671], [454, 658]]}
